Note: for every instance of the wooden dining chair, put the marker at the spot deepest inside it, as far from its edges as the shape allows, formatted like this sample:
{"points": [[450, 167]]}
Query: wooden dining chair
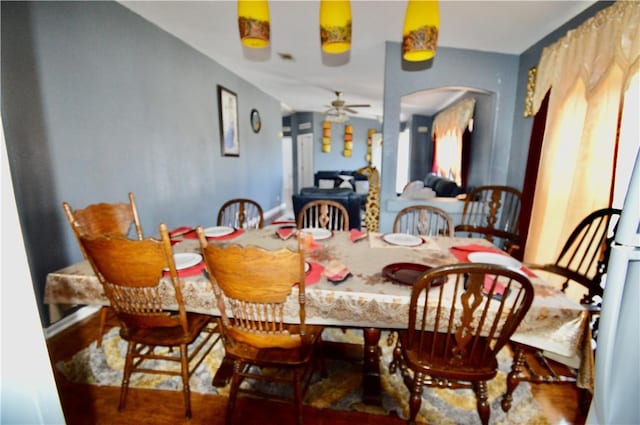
{"points": [[251, 286], [582, 261], [241, 213], [323, 213], [454, 343], [131, 271], [99, 219], [493, 212], [423, 220]]}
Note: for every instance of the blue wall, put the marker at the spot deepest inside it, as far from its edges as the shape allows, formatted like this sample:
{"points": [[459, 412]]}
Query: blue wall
{"points": [[97, 102]]}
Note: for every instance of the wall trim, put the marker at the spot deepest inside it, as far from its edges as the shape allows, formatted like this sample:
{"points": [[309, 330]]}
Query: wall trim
{"points": [[70, 320]]}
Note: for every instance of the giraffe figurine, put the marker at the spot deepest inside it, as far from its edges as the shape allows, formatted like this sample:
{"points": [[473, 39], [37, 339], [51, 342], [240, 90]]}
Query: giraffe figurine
{"points": [[372, 206]]}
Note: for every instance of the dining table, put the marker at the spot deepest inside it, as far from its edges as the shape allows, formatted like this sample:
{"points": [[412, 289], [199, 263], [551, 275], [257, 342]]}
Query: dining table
{"points": [[372, 297]]}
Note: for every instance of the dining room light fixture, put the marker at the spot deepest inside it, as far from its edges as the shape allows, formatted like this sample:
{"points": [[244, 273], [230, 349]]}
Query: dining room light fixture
{"points": [[335, 26], [420, 31], [253, 23]]}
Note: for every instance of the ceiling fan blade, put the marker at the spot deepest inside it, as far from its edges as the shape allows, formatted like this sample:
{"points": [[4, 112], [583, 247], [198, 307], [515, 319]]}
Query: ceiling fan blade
{"points": [[362, 105], [351, 111]]}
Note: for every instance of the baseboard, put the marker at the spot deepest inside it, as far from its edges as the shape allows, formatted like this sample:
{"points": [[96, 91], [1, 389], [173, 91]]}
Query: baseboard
{"points": [[70, 320], [274, 213]]}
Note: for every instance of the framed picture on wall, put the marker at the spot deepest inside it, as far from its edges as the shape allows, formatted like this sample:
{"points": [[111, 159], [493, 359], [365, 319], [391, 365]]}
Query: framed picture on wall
{"points": [[228, 110]]}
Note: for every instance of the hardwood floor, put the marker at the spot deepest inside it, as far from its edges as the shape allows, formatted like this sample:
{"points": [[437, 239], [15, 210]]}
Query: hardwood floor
{"points": [[87, 404]]}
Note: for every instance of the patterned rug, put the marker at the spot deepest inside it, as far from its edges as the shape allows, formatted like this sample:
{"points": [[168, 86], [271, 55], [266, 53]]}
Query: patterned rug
{"points": [[340, 390]]}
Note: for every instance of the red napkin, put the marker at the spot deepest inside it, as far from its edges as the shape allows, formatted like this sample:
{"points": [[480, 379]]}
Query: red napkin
{"points": [[313, 275], [355, 235], [461, 252], [188, 271], [285, 233]]}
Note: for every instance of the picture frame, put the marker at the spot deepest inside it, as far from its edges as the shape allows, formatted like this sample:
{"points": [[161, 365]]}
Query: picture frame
{"points": [[228, 112]]}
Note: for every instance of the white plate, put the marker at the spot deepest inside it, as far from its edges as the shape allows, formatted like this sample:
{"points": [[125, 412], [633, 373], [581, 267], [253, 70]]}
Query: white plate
{"points": [[307, 267], [402, 239], [217, 231], [318, 233], [494, 258], [184, 260]]}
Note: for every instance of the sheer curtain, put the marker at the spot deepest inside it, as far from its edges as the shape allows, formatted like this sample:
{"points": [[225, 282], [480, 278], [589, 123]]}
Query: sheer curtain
{"points": [[588, 72], [448, 127]]}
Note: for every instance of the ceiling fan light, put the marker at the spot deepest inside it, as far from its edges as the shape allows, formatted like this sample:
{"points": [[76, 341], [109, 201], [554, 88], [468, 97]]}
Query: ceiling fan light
{"points": [[253, 23], [420, 31], [335, 26]]}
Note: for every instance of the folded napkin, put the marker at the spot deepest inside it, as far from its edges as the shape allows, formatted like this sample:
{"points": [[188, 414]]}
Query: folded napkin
{"points": [[336, 272], [314, 273], [188, 271], [355, 235], [286, 232], [461, 252]]}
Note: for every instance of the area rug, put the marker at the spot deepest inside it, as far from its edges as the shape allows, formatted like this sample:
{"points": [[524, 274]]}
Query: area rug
{"points": [[341, 390]]}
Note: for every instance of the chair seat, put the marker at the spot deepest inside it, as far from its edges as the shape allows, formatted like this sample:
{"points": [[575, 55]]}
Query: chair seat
{"points": [[276, 356], [440, 365], [167, 336]]}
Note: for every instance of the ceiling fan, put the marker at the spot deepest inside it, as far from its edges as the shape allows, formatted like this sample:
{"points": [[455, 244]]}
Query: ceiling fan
{"points": [[339, 107]]}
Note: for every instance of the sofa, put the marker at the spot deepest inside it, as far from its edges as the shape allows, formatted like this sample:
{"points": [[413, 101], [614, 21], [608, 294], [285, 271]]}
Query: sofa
{"points": [[444, 188], [351, 200]]}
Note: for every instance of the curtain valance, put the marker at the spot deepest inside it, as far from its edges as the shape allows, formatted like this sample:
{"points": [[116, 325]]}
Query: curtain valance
{"points": [[455, 117], [611, 37]]}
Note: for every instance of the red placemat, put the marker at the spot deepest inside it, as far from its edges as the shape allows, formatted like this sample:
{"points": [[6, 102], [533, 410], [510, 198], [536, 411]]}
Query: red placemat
{"points": [[462, 252], [189, 271]]}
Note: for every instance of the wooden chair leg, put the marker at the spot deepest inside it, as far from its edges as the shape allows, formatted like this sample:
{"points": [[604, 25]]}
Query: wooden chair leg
{"points": [[236, 379], [103, 320], [514, 377], [482, 401], [415, 400], [124, 387], [186, 391]]}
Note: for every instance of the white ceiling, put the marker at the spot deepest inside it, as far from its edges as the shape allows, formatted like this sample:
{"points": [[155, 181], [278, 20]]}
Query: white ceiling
{"points": [[307, 83]]}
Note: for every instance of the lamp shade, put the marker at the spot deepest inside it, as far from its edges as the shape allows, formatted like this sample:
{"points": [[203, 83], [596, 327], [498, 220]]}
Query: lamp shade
{"points": [[335, 25], [420, 32], [253, 23]]}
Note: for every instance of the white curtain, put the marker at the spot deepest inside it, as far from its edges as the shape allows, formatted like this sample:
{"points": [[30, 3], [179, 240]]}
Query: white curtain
{"points": [[448, 128], [588, 72]]}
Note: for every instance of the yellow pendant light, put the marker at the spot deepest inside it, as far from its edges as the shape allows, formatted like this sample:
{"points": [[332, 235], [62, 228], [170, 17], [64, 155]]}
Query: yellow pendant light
{"points": [[253, 23], [420, 32], [335, 25]]}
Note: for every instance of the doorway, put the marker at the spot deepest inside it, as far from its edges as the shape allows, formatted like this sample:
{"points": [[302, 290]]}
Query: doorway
{"points": [[287, 173], [305, 160]]}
